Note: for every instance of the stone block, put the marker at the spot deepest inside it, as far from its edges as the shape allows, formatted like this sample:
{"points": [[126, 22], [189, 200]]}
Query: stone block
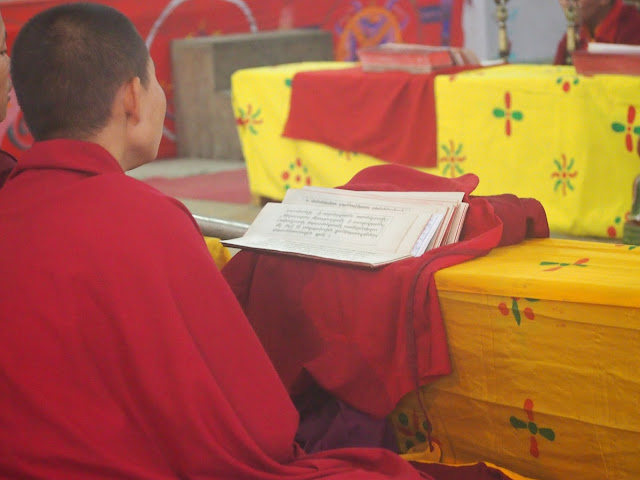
{"points": [[202, 69]]}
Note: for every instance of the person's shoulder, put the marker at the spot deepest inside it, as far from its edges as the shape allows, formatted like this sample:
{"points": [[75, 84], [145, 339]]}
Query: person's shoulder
{"points": [[143, 206]]}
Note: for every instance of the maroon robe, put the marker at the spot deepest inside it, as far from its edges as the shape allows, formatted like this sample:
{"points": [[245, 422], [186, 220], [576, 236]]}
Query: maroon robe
{"points": [[123, 352], [621, 25]]}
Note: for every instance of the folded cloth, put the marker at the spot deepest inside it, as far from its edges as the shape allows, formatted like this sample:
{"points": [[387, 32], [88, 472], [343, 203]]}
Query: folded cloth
{"points": [[388, 115], [368, 336], [475, 471], [327, 423], [7, 164]]}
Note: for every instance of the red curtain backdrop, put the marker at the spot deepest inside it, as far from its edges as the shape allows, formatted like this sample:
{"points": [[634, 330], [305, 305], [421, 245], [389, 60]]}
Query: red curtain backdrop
{"points": [[353, 24]]}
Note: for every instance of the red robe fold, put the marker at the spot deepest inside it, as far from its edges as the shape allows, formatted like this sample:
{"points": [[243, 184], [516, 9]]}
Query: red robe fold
{"points": [[7, 164], [123, 352], [621, 25], [370, 336]]}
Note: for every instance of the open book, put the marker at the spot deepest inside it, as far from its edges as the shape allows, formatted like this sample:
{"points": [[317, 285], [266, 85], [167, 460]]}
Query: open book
{"points": [[413, 58], [364, 228]]}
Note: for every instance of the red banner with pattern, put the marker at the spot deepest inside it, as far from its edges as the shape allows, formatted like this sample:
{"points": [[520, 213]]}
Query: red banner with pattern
{"points": [[352, 23]]}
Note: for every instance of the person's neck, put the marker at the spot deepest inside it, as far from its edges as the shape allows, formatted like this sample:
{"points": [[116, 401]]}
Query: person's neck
{"points": [[111, 141]]}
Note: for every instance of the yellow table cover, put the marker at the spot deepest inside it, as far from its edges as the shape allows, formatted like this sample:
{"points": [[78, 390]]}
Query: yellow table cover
{"points": [[533, 130], [220, 254], [544, 338]]}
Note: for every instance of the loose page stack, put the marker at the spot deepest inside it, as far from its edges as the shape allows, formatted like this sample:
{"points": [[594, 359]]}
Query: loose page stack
{"points": [[365, 228]]}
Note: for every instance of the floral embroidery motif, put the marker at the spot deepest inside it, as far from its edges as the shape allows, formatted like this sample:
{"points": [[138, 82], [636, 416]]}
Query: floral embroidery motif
{"points": [[296, 176], [558, 265], [415, 429], [249, 119], [563, 175], [515, 308], [629, 129], [533, 429], [508, 114], [566, 83], [452, 159]]}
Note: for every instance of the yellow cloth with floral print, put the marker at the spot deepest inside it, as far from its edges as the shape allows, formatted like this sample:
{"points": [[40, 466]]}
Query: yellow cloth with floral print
{"points": [[544, 339], [220, 254], [568, 140], [532, 130]]}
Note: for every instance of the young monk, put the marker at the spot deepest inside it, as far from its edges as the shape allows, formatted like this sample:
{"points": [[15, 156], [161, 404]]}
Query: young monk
{"points": [[123, 353], [7, 162], [605, 21]]}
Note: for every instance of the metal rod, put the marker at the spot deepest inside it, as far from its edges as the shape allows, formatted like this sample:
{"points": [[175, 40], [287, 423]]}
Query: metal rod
{"points": [[222, 229]]}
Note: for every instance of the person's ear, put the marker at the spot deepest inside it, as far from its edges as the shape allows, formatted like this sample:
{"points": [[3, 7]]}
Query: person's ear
{"points": [[132, 100]]}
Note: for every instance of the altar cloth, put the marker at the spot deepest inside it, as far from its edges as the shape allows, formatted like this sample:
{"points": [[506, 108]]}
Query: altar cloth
{"points": [[543, 338], [539, 131]]}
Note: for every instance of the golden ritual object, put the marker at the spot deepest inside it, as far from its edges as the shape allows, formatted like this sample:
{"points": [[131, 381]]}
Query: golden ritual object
{"points": [[572, 29], [503, 38]]}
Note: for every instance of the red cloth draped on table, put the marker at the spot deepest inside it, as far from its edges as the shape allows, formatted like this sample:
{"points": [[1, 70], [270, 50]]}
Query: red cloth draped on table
{"points": [[388, 115], [369, 336]]}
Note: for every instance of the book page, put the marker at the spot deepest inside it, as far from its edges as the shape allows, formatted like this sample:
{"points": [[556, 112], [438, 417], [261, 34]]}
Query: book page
{"points": [[432, 236], [439, 205], [427, 235], [348, 229], [404, 197], [456, 224]]}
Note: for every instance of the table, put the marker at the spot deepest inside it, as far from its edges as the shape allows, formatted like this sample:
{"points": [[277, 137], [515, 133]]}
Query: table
{"points": [[539, 131], [543, 337]]}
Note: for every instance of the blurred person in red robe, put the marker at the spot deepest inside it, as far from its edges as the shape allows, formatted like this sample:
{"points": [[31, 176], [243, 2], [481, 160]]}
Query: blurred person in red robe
{"points": [[7, 161], [123, 353], [604, 21]]}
